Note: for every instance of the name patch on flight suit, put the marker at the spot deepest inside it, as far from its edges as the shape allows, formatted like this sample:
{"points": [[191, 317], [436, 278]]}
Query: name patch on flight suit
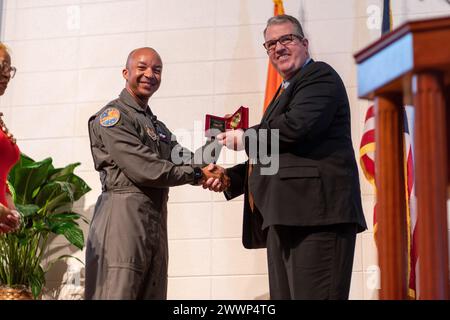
{"points": [[109, 117], [162, 135]]}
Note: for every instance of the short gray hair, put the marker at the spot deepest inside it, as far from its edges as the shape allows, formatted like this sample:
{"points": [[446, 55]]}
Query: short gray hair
{"points": [[285, 18]]}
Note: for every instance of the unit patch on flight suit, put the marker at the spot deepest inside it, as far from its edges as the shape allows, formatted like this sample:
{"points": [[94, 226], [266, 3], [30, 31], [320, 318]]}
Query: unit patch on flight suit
{"points": [[151, 133], [109, 117]]}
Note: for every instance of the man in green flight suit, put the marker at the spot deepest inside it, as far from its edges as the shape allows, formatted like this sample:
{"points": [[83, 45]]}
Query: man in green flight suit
{"points": [[138, 159]]}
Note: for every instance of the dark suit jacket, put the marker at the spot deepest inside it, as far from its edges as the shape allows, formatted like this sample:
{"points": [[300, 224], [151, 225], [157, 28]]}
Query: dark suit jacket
{"points": [[317, 182]]}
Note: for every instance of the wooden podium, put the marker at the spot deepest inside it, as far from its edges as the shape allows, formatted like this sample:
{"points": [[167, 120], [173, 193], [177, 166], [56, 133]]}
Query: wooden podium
{"points": [[411, 65]]}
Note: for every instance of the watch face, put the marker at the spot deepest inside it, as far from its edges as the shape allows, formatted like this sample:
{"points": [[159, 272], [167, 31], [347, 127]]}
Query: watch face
{"points": [[198, 174]]}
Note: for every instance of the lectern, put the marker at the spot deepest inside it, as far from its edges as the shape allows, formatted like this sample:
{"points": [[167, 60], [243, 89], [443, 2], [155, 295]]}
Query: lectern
{"points": [[411, 65]]}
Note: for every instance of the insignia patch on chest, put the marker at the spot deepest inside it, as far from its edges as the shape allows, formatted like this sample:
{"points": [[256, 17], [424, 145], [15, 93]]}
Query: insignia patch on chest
{"points": [[109, 117], [151, 133], [162, 135]]}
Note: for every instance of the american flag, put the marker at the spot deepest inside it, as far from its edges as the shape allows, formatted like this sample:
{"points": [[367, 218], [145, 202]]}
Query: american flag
{"points": [[411, 203], [367, 162]]}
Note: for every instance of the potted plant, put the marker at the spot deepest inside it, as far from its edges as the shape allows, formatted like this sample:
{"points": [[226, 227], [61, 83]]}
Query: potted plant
{"points": [[44, 195]]}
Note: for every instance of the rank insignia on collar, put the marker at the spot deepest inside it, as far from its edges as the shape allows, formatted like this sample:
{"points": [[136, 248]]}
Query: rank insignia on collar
{"points": [[109, 117], [151, 132]]}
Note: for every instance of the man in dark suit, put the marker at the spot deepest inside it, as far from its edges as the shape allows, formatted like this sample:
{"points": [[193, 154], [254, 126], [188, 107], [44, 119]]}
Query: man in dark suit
{"points": [[308, 213]]}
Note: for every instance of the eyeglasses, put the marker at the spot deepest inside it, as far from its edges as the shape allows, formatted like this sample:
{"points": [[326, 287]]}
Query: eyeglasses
{"points": [[283, 40], [6, 69]]}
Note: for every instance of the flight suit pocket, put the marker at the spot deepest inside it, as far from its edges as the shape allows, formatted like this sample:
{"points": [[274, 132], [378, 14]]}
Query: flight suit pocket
{"points": [[123, 281]]}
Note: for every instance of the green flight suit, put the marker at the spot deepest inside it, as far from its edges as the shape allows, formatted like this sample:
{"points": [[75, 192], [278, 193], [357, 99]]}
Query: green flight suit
{"points": [[127, 247]]}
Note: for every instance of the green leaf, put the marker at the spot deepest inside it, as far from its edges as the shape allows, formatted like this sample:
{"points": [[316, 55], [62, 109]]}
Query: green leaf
{"points": [[67, 170], [23, 161], [30, 177], [12, 190], [55, 194], [79, 186], [60, 226], [66, 216], [41, 226], [27, 209], [75, 236], [69, 215], [35, 192], [37, 281]]}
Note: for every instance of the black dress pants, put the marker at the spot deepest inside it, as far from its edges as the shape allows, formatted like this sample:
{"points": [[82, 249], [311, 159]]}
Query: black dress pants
{"points": [[310, 263]]}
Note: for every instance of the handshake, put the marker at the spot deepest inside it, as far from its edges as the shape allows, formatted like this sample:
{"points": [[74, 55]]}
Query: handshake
{"points": [[215, 178]]}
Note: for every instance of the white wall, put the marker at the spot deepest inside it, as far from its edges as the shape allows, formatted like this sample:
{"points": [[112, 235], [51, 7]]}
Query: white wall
{"points": [[69, 55]]}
